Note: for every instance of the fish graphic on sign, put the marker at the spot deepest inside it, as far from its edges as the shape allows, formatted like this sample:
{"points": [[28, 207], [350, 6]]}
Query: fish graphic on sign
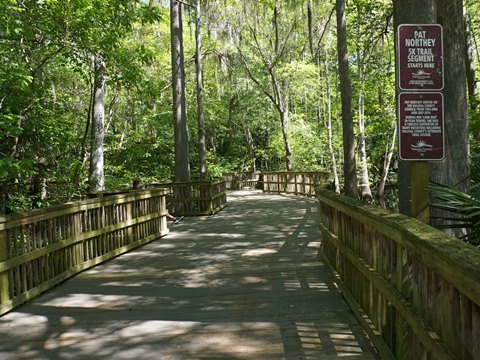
{"points": [[420, 74], [421, 145]]}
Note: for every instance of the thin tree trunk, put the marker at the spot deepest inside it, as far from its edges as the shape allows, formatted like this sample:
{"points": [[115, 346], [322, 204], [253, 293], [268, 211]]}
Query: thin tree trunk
{"points": [[336, 183], [386, 167], [96, 175], [182, 157], [284, 119], [365, 185], [111, 107], [202, 152], [349, 164], [39, 189], [83, 158], [251, 150], [470, 68], [310, 27], [366, 192]]}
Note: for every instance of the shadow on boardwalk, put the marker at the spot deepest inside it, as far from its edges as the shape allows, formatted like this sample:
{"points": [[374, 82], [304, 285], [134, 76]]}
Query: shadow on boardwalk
{"points": [[243, 284]]}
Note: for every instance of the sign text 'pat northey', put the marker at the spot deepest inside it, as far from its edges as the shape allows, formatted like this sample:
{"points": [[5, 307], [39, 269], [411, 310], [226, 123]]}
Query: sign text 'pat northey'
{"points": [[420, 57]]}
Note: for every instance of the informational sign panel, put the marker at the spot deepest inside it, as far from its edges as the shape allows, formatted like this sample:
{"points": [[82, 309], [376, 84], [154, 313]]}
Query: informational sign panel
{"points": [[420, 57], [421, 129]]}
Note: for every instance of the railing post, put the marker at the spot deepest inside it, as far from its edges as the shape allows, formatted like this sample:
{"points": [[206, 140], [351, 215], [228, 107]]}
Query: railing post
{"points": [[399, 324], [210, 196], [77, 230], [4, 283], [163, 218]]}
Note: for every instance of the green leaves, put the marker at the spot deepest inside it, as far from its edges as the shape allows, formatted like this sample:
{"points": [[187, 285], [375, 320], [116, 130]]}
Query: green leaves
{"points": [[462, 210], [11, 167]]}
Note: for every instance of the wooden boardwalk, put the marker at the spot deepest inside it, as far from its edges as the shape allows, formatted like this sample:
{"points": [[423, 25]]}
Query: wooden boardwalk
{"points": [[243, 284]]}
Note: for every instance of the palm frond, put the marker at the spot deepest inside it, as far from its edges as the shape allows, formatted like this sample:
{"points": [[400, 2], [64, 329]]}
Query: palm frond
{"points": [[463, 210]]}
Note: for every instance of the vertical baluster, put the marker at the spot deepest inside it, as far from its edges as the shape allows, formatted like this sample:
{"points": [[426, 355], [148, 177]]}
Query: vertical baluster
{"points": [[401, 260], [76, 231], [4, 281], [476, 331]]}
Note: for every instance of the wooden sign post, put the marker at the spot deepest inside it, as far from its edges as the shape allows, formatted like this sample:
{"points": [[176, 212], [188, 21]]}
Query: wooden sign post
{"points": [[420, 107]]}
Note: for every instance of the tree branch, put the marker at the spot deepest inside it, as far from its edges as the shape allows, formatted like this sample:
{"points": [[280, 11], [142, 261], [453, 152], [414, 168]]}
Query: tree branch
{"points": [[325, 28], [253, 78]]}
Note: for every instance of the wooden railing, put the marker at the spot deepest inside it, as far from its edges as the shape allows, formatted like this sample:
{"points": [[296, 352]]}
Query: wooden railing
{"points": [[293, 182], [42, 248], [415, 289], [241, 180], [195, 198]]}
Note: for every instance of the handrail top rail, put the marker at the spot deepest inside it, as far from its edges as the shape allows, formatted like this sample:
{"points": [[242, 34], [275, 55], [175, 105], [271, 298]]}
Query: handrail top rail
{"points": [[192, 182], [13, 220], [456, 261], [296, 172]]}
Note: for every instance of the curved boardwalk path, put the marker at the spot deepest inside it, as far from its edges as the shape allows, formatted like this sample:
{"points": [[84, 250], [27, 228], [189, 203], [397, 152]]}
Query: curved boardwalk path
{"points": [[243, 284]]}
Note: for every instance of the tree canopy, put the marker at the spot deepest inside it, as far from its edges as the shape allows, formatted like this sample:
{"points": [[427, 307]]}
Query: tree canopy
{"points": [[271, 91]]}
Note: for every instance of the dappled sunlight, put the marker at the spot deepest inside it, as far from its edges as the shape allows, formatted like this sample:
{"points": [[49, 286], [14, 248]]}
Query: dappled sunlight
{"points": [[243, 284], [222, 235], [318, 286], [137, 331], [15, 323], [96, 301], [259, 252], [253, 280]]}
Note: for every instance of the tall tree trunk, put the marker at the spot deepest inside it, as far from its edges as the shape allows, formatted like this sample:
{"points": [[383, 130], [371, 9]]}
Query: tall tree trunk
{"points": [[410, 12], [336, 183], [390, 148], [202, 152], [182, 156], [96, 174], [251, 150], [366, 192], [365, 185], [349, 164], [454, 170], [470, 68], [284, 119], [310, 27], [278, 89], [83, 157], [39, 189]]}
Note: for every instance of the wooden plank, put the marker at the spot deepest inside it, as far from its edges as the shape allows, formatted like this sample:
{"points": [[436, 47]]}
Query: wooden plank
{"points": [[456, 262], [372, 330], [429, 339], [61, 276], [216, 288]]}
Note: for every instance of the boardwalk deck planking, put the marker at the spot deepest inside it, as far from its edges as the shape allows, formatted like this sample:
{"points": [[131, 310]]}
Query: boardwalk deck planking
{"points": [[243, 284]]}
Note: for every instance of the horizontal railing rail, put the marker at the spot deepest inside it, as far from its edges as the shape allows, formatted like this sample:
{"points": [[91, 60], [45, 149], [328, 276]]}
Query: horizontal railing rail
{"points": [[294, 182], [415, 289], [41, 248], [195, 198], [242, 180]]}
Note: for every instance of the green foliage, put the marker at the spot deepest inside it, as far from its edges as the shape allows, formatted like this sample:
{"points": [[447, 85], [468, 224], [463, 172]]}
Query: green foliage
{"points": [[46, 78], [464, 207]]}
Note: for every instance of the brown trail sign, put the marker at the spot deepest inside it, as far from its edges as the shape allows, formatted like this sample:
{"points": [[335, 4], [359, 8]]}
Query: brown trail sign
{"points": [[420, 57], [420, 119]]}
